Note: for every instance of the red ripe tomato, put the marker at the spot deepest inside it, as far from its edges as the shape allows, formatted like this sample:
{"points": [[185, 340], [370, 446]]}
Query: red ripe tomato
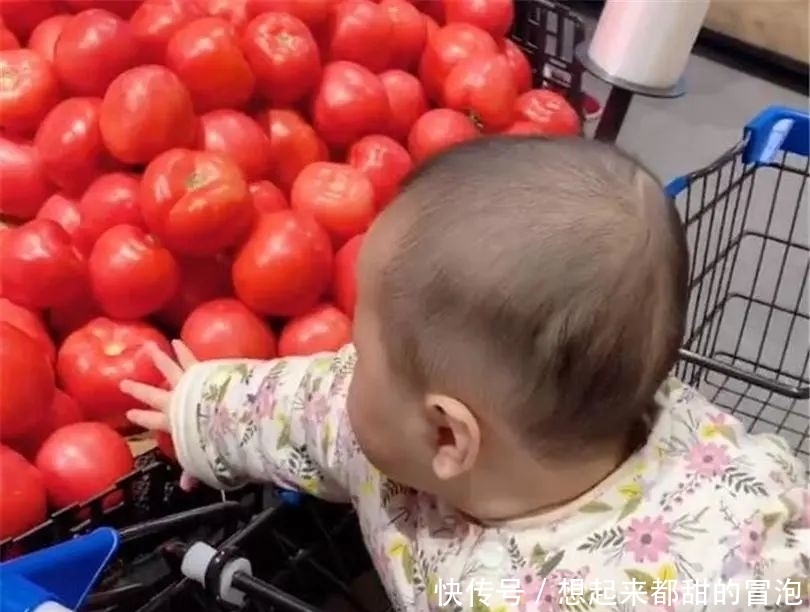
{"points": [[285, 265], [197, 202], [29, 90], [232, 11], [408, 33], [25, 186], [23, 501], [22, 17], [350, 103], [69, 144], [293, 144], [519, 63], [431, 26], [131, 275], [385, 162], [267, 198], [314, 13], [432, 9], [284, 57], [525, 128], [156, 21], [82, 460], [344, 282], [549, 110], [446, 48], [64, 211], [338, 196], [43, 38], [64, 319], [237, 136], [122, 8], [226, 328], [324, 328], [205, 54], [41, 267], [360, 31], [166, 445], [28, 382], [29, 322], [201, 280], [110, 200], [483, 86], [94, 359], [64, 410], [493, 16], [407, 100], [146, 111], [7, 39], [95, 46], [437, 130]]}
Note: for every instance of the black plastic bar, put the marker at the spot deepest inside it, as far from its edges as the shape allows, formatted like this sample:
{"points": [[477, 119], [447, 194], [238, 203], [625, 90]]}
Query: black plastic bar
{"points": [[266, 592], [613, 114], [220, 511]]}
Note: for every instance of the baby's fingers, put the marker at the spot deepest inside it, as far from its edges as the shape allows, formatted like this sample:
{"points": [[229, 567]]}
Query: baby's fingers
{"points": [[147, 394], [171, 371], [184, 355], [149, 419]]}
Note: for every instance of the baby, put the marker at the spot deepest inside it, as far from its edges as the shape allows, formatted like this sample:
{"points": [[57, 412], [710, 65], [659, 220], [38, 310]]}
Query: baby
{"points": [[504, 423]]}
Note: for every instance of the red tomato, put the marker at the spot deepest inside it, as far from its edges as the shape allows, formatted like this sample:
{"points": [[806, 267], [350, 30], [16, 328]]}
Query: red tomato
{"points": [[43, 38], [122, 8], [41, 267], [112, 199], [237, 136], [432, 9], [350, 103], [232, 11], [267, 198], [407, 100], [483, 86], [94, 359], [205, 54], [7, 39], [22, 17], [284, 57], [82, 460], [146, 111], [29, 322], [95, 46], [493, 16], [64, 211], [197, 202], [448, 47], [360, 31], [385, 162], [30, 90], [431, 26], [314, 13], [201, 280], [69, 144], [519, 63], [285, 265], [131, 275], [408, 33], [166, 445], [549, 110], [525, 128], [437, 130], [344, 282], [225, 328], [156, 21], [64, 319], [64, 410], [28, 382], [293, 144], [338, 196], [324, 328], [25, 186], [23, 501]]}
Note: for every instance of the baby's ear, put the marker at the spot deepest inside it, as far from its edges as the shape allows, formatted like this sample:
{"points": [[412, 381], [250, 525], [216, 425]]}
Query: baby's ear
{"points": [[458, 437]]}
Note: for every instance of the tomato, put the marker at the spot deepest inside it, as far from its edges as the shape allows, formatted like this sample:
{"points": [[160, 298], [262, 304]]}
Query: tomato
{"points": [[122, 8], [166, 445], [82, 460], [408, 33], [293, 145], [267, 198], [23, 501], [385, 162], [197, 202], [525, 128], [41, 267], [519, 63], [205, 54], [483, 87], [338, 196], [446, 48], [22, 17], [285, 265], [432, 9], [7, 39], [350, 102], [360, 31], [30, 90], [407, 100], [95, 46], [324, 328], [64, 410], [201, 280], [156, 21], [284, 57], [437, 130], [112, 199], [95, 358], [431, 27], [549, 110], [64, 211], [69, 144], [25, 186], [43, 38], [237, 136], [28, 382], [226, 328], [66, 318], [131, 275], [232, 11], [344, 281], [493, 16], [314, 13], [28, 321], [146, 111]]}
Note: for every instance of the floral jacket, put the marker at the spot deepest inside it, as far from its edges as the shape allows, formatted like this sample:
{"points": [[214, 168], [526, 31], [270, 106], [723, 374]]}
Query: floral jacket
{"points": [[705, 517]]}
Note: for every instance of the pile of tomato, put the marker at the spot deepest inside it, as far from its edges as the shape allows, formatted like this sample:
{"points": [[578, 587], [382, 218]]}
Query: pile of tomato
{"points": [[206, 169]]}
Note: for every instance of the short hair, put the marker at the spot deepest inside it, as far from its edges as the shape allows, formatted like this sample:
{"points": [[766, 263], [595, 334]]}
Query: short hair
{"points": [[539, 281]]}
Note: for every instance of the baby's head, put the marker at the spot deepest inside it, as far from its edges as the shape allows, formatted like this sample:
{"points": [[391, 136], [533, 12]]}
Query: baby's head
{"points": [[519, 303]]}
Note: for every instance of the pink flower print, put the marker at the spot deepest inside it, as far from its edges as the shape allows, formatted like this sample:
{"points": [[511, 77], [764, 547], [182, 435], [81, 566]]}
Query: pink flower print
{"points": [[647, 538], [221, 422], [751, 539], [318, 408], [708, 459], [265, 401], [719, 418]]}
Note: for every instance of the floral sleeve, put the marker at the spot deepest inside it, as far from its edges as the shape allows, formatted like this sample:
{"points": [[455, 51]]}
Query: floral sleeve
{"points": [[282, 421]]}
